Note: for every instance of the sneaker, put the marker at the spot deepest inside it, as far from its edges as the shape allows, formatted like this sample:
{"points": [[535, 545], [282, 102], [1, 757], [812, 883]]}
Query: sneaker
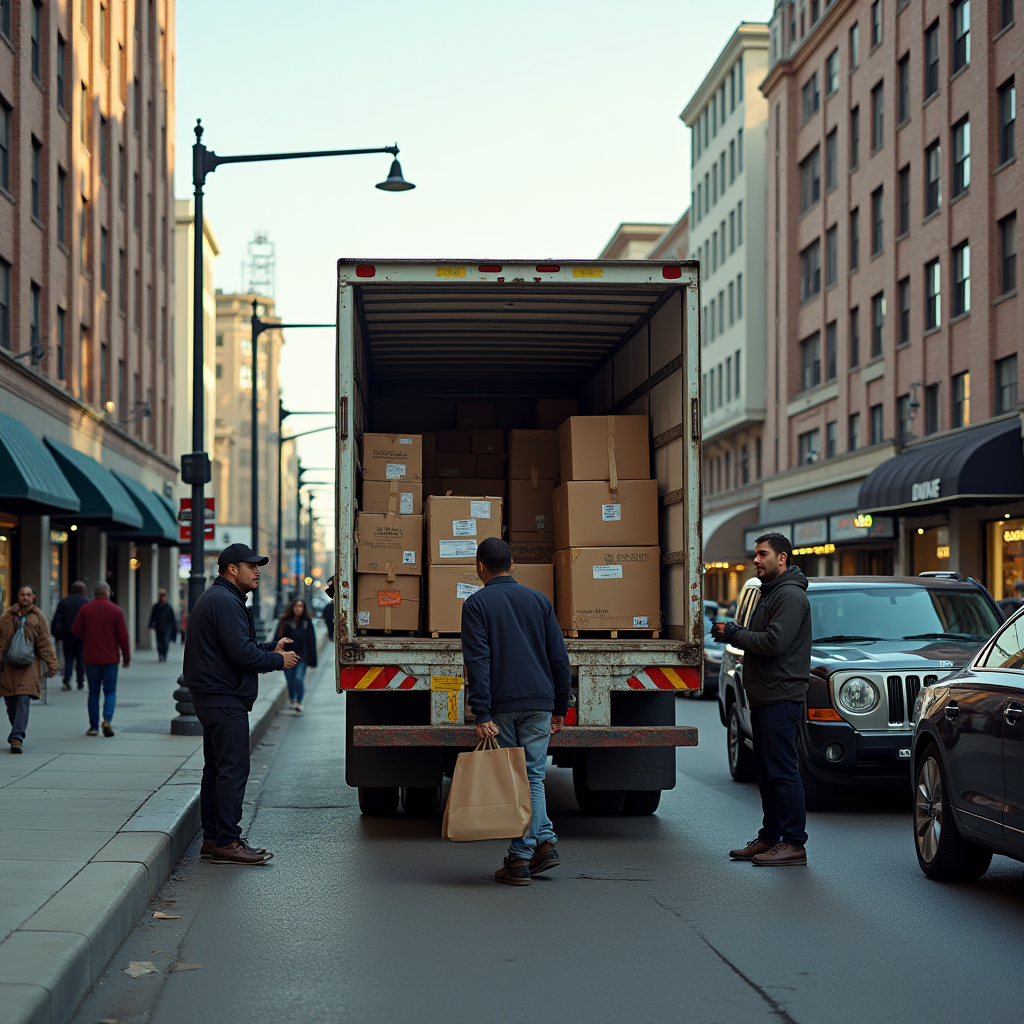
{"points": [[544, 858], [298, 708], [92, 732], [67, 685], [514, 871], [16, 746], [751, 850], [108, 729], [781, 855]]}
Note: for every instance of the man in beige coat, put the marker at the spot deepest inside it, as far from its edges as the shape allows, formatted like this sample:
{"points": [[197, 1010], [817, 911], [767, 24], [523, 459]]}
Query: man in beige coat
{"points": [[20, 684]]}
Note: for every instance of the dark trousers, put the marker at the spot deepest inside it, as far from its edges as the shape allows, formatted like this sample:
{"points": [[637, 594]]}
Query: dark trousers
{"points": [[777, 766], [73, 659], [225, 772], [163, 640], [17, 713]]}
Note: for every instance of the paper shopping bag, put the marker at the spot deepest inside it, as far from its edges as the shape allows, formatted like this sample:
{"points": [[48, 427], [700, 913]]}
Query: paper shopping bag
{"points": [[490, 795]]}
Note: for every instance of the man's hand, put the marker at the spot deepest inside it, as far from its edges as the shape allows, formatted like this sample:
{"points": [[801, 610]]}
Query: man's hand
{"points": [[557, 721], [51, 673], [282, 649], [724, 632], [126, 663], [291, 659], [485, 729]]}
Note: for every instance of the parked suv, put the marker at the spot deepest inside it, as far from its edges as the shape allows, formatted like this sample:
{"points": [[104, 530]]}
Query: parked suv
{"points": [[876, 642]]}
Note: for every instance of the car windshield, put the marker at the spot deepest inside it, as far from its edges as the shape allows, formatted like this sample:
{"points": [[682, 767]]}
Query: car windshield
{"points": [[894, 613]]}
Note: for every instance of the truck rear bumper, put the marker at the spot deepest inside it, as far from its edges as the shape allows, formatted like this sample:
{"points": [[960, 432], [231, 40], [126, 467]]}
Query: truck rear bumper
{"points": [[575, 736]]}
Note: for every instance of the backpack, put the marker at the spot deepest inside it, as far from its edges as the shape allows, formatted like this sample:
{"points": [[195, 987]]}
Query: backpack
{"points": [[21, 650]]}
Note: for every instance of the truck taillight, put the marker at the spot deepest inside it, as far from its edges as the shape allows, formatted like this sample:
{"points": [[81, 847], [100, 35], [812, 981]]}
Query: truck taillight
{"points": [[489, 268], [365, 270], [671, 273], [548, 268]]}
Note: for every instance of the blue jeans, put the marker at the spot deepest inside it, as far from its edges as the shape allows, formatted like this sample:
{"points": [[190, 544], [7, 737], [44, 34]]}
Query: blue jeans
{"points": [[17, 712], [296, 680], [530, 730], [105, 676], [777, 766]]}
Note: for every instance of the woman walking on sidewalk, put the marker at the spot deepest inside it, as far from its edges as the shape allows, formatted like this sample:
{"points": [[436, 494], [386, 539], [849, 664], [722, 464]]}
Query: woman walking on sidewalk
{"points": [[24, 646], [297, 626]]}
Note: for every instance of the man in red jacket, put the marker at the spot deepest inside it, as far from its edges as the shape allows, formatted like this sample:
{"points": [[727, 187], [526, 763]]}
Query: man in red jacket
{"points": [[100, 625]]}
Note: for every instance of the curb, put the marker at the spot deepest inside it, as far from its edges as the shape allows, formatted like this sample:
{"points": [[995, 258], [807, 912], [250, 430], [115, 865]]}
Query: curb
{"points": [[49, 964]]}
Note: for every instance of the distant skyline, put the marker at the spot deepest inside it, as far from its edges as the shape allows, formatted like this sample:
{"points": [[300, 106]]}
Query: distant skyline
{"points": [[530, 129]]}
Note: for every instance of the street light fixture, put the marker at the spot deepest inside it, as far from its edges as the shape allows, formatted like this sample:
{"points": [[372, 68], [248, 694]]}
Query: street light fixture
{"points": [[195, 466]]}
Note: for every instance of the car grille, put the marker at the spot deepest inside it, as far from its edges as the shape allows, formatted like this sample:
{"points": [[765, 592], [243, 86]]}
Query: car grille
{"points": [[902, 692]]}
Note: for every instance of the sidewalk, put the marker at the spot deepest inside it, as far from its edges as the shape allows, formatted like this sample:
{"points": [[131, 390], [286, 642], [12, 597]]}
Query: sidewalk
{"points": [[91, 829]]}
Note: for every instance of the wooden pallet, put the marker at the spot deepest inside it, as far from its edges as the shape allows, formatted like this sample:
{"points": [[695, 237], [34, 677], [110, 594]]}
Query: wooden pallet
{"points": [[611, 634], [382, 632], [436, 634]]}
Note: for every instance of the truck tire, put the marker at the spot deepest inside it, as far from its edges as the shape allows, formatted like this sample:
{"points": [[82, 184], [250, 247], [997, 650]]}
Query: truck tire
{"points": [[741, 757], [378, 801], [641, 801], [421, 802], [595, 801], [818, 795]]}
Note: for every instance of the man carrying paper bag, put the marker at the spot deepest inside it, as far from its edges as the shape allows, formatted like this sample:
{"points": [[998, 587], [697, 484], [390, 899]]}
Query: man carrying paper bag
{"points": [[517, 684]]}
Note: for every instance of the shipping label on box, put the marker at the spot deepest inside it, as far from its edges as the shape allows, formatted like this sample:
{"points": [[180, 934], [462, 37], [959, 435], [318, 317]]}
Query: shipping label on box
{"points": [[448, 587], [608, 588], [393, 457], [609, 448], [396, 497], [387, 604], [530, 508], [533, 455], [392, 545], [587, 513], [457, 524]]}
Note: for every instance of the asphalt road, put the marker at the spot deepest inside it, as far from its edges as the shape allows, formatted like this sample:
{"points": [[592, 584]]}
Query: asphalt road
{"points": [[647, 920]]}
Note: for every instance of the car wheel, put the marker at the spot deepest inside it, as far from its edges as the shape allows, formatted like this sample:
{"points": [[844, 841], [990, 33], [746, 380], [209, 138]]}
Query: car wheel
{"points": [[941, 851], [818, 795], [741, 757]]}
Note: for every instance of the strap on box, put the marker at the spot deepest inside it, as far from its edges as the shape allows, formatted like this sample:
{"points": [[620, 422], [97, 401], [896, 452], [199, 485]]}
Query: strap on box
{"points": [[392, 502], [387, 618], [613, 473], [390, 566]]}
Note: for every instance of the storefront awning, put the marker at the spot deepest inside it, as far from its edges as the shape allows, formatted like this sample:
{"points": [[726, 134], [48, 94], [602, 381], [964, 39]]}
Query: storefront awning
{"points": [[980, 466], [31, 482], [158, 525], [101, 496], [722, 531]]}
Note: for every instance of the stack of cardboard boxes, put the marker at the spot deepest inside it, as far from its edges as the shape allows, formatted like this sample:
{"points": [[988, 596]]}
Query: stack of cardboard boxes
{"points": [[389, 534], [607, 559]]}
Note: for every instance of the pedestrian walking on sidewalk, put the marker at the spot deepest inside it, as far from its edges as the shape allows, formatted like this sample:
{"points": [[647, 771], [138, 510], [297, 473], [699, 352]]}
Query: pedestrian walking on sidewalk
{"points": [[101, 627], [297, 626], [222, 660], [27, 653], [63, 619], [517, 684], [163, 622], [776, 670]]}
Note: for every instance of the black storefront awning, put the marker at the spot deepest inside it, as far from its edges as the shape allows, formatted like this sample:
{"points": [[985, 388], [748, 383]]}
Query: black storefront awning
{"points": [[158, 524], [980, 466], [31, 482], [102, 498]]}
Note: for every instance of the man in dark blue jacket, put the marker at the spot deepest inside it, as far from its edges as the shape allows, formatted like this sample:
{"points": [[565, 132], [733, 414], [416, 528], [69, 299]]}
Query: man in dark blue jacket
{"points": [[222, 660], [517, 679]]}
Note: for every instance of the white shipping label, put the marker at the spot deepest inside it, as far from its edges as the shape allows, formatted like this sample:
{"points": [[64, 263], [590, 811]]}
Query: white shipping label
{"points": [[641, 622], [408, 558], [464, 590], [394, 470], [405, 440], [364, 618], [480, 509], [405, 503], [611, 513], [463, 527], [456, 548], [607, 572], [540, 521]]}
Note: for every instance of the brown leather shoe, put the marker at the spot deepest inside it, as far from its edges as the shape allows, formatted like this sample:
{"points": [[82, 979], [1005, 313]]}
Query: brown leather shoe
{"points": [[781, 855], [15, 746], [236, 853], [257, 849], [751, 850], [206, 850], [544, 858], [514, 871]]}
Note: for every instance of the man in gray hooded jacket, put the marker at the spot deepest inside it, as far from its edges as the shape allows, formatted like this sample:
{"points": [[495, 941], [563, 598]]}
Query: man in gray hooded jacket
{"points": [[776, 670]]}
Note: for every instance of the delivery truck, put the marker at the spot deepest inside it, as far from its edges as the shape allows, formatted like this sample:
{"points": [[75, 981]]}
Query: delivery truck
{"points": [[429, 347]]}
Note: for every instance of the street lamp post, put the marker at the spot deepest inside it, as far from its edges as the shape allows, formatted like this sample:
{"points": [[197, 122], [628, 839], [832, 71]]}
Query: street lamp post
{"points": [[195, 466]]}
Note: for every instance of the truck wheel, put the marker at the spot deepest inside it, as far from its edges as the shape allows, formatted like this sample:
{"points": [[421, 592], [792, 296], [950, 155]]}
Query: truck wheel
{"points": [[641, 801], [595, 801], [421, 802], [378, 801], [741, 757], [818, 795], [941, 851]]}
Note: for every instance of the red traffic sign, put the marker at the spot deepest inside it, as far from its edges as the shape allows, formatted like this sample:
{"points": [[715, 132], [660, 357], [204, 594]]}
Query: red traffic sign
{"points": [[185, 519]]}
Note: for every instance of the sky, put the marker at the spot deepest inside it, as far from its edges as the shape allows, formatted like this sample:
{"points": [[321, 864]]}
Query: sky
{"points": [[531, 129]]}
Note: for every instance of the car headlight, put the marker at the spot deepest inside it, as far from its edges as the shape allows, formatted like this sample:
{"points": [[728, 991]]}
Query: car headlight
{"points": [[858, 695]]}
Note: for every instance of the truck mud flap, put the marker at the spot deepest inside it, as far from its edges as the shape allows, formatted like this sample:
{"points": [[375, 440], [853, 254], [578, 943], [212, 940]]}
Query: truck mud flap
{"points": [[636, 767], [411, 764]]}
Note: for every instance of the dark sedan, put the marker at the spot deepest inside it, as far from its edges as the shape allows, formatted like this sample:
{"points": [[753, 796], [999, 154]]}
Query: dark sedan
{"points": [[969, 762]]}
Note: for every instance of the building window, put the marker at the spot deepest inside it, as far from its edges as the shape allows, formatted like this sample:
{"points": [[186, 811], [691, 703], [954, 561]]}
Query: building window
{"points": [[831, 439], [854, 46], [831, 337], [832, 72], [34, 318], [876, 23], [732, 161], [877, 324], [877, 424], [36, 34], [877, 115], [961, 34], [1005, 13], [1007, 121], [931, 409], [810, 271], [5, 304], [711, 322], [122, 177], [831, 159], [877, 220], [739, 151], [83, 235], [810, 447], [732, 232], [903, 421], [728, 378], [961, 156], [903, 89], [1006, 384], [933, 179], [137, 319], [854, 138], [811, 97], [721, 311], [855, 238], [931, 59], [854, 337], [932, 296], [37, 175], [83, 118], [5, 18], [739, 222], [831, 255], [5, 146], [1008, 255], [732, 303], [61, 328], [719, 396], [122, 281], [104, 149], [961, 279], [904, 292], [810, 179], [904, 199], [962, 400], [739, 296], [736, 365], [61, 50], [853, 432], [104, 259], [810, 358]]}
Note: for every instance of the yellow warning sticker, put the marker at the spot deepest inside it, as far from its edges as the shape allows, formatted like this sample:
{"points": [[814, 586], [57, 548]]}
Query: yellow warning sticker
{"points": [[446, 684], [450, 271], [588, 271]]}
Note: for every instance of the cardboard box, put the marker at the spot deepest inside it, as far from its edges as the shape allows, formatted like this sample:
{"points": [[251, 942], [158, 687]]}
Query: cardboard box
{"points": [[533, 454], [553, 412], [530, 508], [588, 514], [429, 455], [393, 457], [452, 466], [608, 588], [488, 442], [475, 416], [388, 604], [454, 442], [536, 577], [471, 487], [448, 586], [393, 496], [389, 544], [457, 524], [591, 447], [532, 548], [490, 467]]}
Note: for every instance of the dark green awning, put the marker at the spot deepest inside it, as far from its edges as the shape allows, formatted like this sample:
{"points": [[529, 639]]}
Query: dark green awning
{"points": [[158, 524], [101, 496], [31, 482]]}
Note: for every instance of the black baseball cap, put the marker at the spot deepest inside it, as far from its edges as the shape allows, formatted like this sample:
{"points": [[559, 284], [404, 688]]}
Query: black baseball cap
{"points": [[240, 553]]}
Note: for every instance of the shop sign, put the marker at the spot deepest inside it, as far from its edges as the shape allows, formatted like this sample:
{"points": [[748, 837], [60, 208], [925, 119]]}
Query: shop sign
{"points": [[851, 526], [750, 536], [814, 531], [925, 490]]}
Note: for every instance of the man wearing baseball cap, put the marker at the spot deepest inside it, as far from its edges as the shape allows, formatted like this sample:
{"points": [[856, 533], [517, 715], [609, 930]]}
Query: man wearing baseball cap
{"points": [[222, 660]]}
